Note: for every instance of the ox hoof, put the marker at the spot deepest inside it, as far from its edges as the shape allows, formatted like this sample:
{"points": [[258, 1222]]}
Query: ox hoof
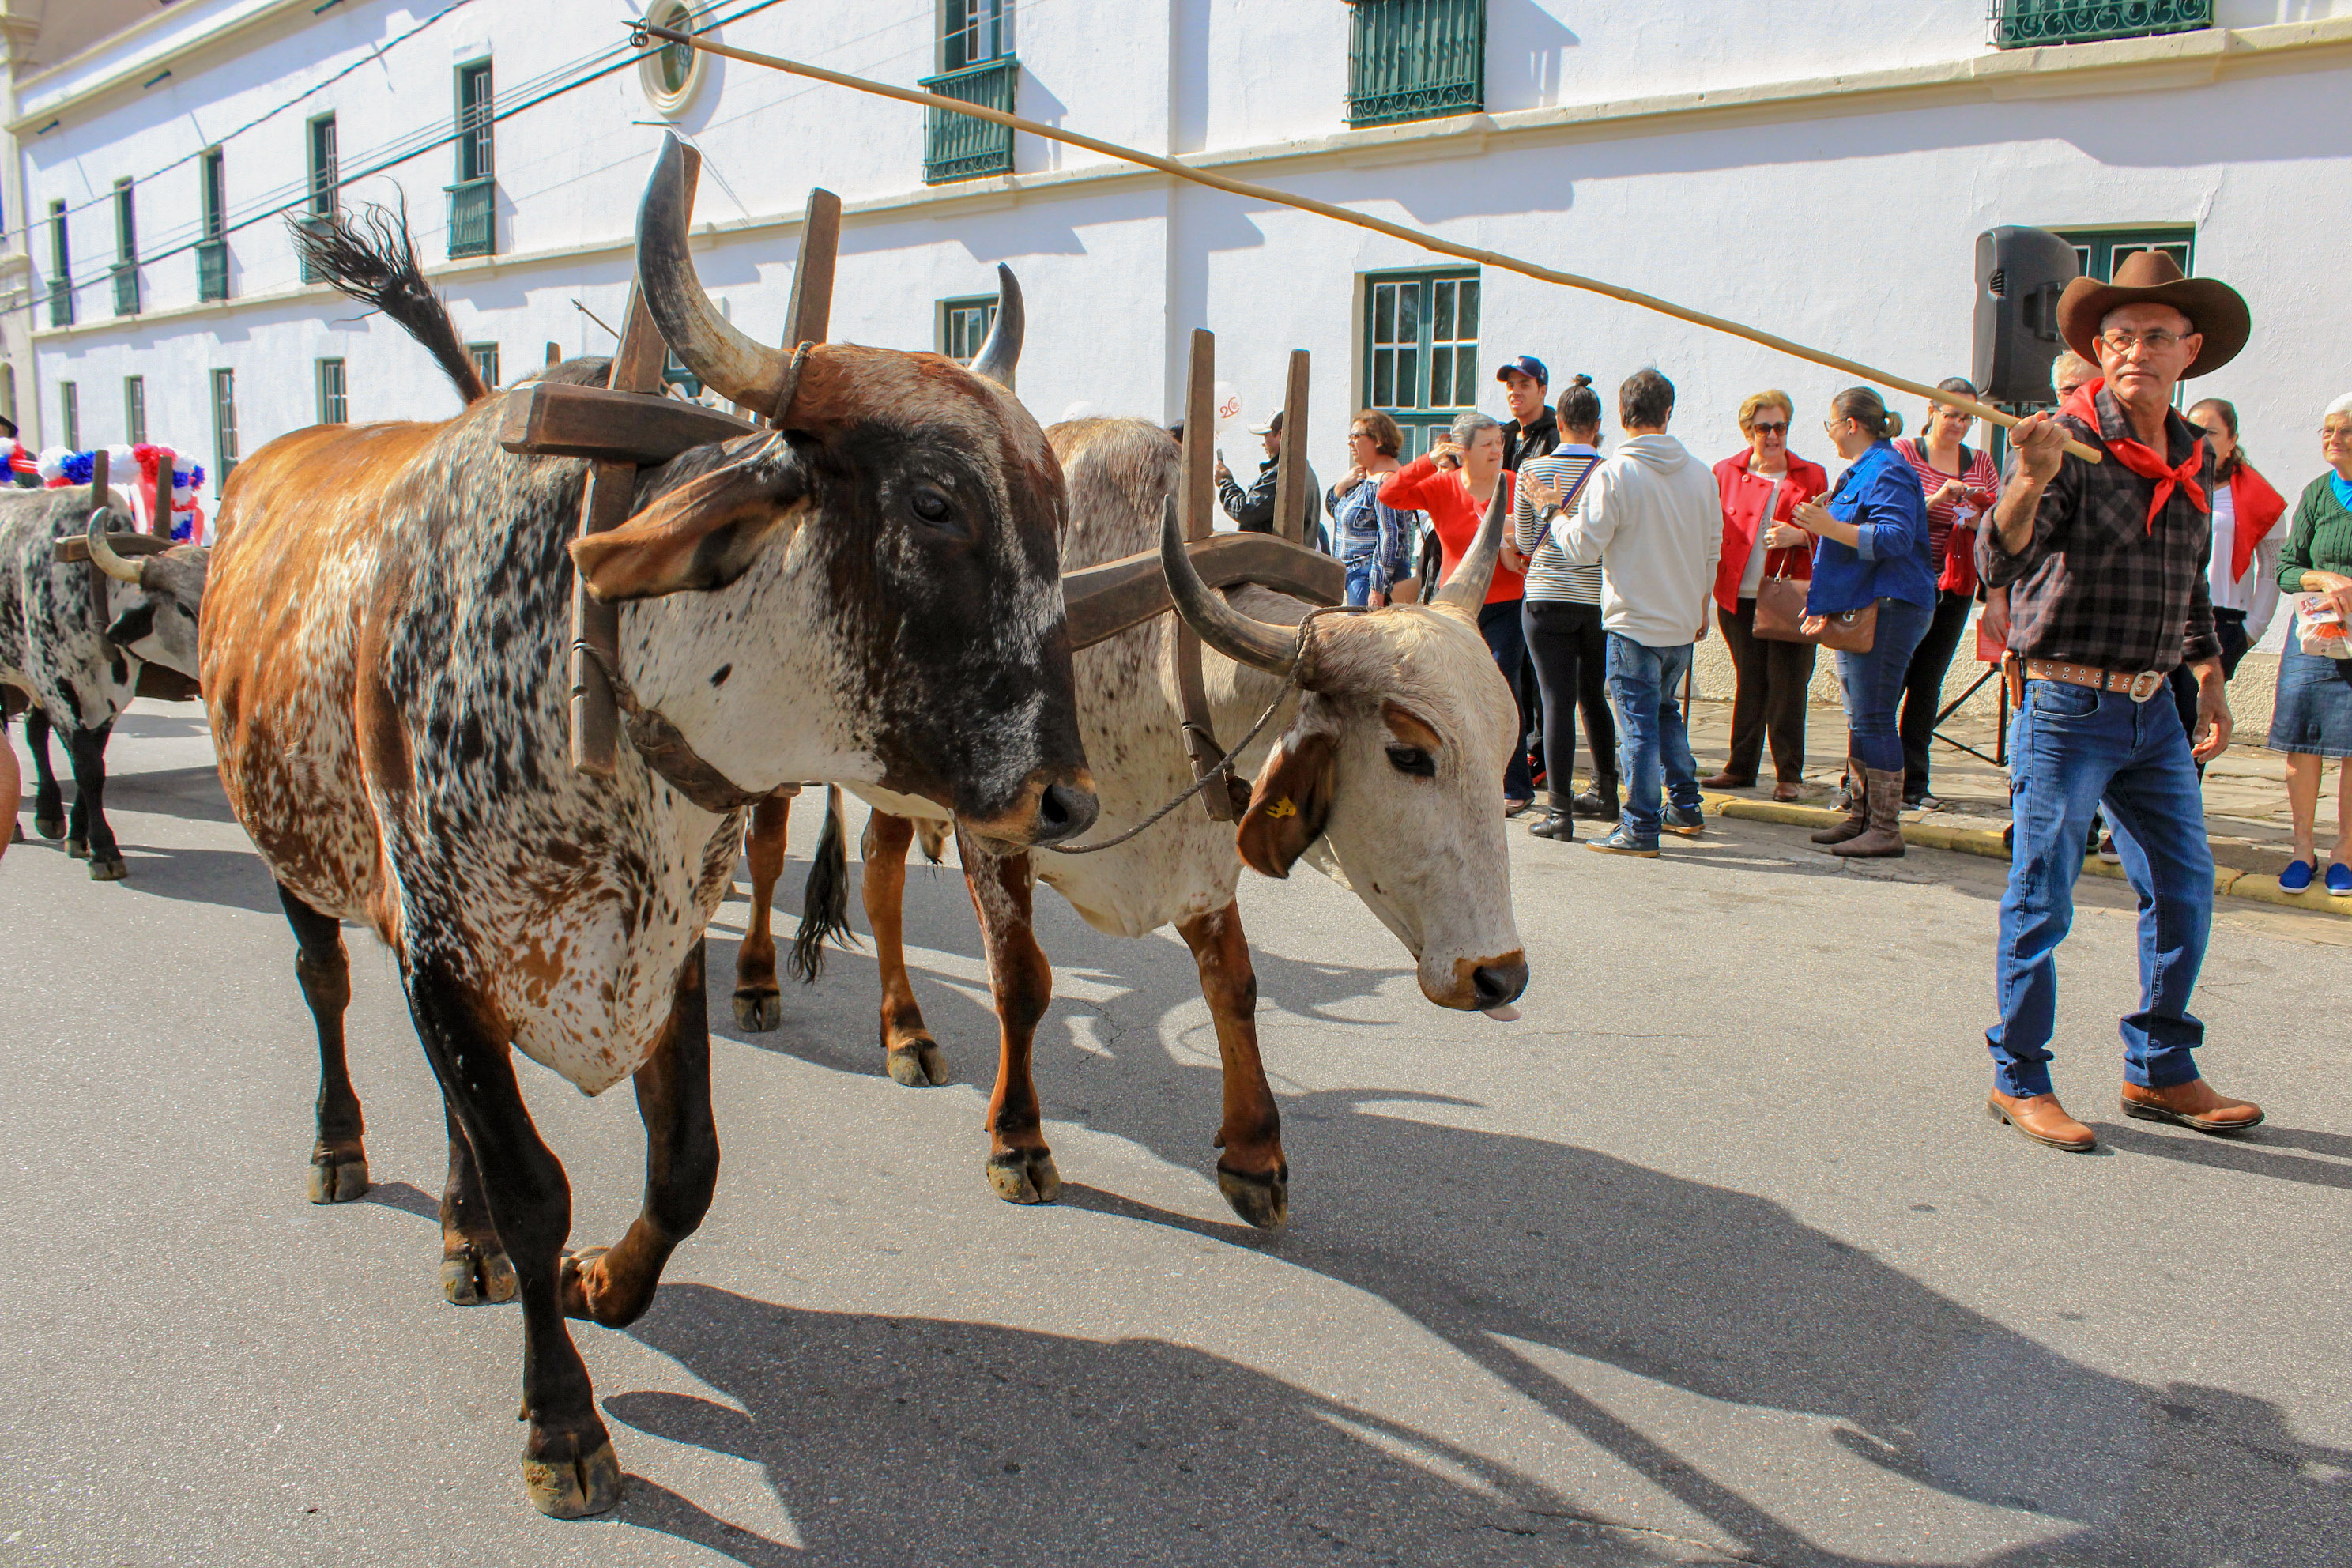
{"points": [[77, 848], [918, 1064], [48, 827], [565, 1484], [108, 868], [334, 1181], [759, 1011], [1026, 1177], [476, 1275], [1263, 1201]]}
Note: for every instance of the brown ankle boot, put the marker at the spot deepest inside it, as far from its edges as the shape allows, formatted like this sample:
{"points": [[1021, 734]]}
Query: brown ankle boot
{"points": [[1857, 811], [1883, 837]]}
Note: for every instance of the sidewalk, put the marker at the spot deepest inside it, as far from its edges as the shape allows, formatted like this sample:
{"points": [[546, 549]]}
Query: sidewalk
{"points": [[2245, 799]]}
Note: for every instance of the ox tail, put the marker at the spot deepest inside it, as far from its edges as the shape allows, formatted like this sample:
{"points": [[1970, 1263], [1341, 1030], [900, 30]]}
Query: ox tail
{"points": [[825, 899], [371, 258]]}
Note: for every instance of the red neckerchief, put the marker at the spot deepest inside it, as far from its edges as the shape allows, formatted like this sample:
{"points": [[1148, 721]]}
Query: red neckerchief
{"points": [[2258, 507], [2136, 456]]}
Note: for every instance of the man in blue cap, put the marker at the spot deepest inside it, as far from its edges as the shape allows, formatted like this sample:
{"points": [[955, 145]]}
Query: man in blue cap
{"points": [[1532, 431]]}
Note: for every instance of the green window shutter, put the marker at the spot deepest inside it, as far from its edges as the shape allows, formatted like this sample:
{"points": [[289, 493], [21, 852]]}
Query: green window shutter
{"points": [[1421, 350], [2026, 24], [1415, 59]]}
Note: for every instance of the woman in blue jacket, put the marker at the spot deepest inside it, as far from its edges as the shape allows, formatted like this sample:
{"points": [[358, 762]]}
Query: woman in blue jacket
{"points": [[1871, 547]]}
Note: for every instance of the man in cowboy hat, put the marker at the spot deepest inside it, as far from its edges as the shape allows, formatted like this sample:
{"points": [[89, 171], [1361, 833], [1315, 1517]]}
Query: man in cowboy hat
{"points": [[2106, 565]]}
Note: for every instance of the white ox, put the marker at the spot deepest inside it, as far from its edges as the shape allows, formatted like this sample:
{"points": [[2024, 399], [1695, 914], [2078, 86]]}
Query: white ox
{"points": [[1385, 774]]}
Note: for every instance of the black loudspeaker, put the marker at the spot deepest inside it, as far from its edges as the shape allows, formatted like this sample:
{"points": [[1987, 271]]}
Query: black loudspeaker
{"points": [[2020, 274]]}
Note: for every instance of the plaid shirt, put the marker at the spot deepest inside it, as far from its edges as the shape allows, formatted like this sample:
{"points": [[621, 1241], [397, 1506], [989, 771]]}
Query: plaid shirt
{"points": [[2096, 585]]}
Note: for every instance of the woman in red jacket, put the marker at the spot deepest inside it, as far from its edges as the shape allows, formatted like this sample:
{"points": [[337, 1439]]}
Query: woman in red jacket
{"points": [[1758, 487], [1453, 482]]}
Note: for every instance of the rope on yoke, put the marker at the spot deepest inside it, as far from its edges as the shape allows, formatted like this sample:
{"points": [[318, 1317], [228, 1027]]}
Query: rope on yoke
{"points": [[1301, 665]]}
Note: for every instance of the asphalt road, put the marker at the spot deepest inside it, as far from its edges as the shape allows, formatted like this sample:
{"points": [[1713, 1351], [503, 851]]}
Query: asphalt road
{"points": [[1712, 1257]]}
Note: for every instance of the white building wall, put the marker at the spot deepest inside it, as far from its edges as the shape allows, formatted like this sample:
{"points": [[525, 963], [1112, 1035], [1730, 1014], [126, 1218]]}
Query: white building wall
{"points": [[1845, 222]]}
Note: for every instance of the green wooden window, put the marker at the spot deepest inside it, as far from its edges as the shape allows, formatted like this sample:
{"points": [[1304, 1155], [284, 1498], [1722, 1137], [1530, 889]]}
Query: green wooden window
{"points": [[2098, 250], [325, 168], [61, 298], [334, 407], [486, 360], [964, 325], [126, 250], [134, 409], [1421, 350], [223, 427], [1415, 59], [473, 200], [69, 414], [2024, 24], [212, 250], [977, 65]]}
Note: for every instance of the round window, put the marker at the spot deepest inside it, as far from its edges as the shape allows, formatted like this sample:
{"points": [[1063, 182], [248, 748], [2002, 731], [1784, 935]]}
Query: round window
{"points": [[670, 72]]}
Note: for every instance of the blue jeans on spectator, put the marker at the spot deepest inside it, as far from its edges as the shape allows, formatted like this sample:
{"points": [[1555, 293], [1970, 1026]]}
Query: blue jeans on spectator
{"points": [[2069, 748], [1506, 638], [1645, 683], [1873, 683]]}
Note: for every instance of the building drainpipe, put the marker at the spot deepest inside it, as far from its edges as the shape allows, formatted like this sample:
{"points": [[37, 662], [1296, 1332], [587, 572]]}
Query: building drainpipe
{"points": [[18, 33]]}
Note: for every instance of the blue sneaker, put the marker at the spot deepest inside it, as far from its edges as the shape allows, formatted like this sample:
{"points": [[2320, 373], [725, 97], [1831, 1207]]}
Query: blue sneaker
{"points": [[2340, 879], [1621, 841], [1687, 820], [2296, 877]]}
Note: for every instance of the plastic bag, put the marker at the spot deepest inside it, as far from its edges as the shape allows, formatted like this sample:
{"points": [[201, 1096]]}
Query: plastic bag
{"points": [[2319, 629]]}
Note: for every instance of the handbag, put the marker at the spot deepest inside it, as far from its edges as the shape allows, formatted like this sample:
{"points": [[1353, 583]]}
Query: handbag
{"points": [[1851, 631], [1781, 608]]}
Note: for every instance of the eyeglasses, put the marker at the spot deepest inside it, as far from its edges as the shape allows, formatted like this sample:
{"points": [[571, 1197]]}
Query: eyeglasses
{"points": [[1765, 428], [1961, 415], [1829, 427], [2155, 341]]}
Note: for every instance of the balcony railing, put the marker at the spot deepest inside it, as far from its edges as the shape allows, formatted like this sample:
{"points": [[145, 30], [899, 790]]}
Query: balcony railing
{"points": [[62, 305], [212, 269], [313, 223], [959, 147], [1415, 59], [2024, 24], [472, 213], [126, 287]]}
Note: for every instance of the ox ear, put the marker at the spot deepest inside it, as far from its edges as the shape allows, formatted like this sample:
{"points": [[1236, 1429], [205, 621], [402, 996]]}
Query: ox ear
{"points": [[1291, 803], [702, 535]]}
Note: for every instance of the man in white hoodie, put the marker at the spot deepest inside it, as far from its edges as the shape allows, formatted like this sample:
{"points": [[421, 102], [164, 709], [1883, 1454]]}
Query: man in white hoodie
{"points": [[1651, 517]]}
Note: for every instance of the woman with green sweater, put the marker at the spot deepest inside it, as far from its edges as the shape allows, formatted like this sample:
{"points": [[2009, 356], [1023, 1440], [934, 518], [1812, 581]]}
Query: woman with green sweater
{"points": [[2312, 717]]}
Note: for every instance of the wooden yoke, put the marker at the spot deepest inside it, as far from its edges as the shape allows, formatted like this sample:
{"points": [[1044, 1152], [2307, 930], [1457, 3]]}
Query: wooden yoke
{"points": [[1199, 495], [1292, 505]]}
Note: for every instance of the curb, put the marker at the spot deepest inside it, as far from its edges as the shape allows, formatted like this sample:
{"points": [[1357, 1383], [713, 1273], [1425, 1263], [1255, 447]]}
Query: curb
{"points": [[2228, 880]]}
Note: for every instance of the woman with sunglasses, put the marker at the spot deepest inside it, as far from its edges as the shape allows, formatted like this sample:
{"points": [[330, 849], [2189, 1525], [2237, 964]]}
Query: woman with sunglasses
{"points": [[1759, 488], [1961, 485]]}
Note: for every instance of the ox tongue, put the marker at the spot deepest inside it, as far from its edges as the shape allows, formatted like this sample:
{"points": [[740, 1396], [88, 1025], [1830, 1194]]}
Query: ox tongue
{"points": [[1506, 1014]]}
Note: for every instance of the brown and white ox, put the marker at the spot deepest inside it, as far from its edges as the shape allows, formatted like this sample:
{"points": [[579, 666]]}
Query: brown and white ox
{"points": [[867, 595], [1383, 773], [74, 662]]}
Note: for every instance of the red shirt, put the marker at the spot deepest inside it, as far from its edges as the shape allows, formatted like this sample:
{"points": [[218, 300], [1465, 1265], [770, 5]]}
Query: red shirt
{"points": [[1422, 486], [1955, 560], [1743, 491]]}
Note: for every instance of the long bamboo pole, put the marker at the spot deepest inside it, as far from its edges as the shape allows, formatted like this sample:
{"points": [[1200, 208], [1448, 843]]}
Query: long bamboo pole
{"points": [[1495, 258]]}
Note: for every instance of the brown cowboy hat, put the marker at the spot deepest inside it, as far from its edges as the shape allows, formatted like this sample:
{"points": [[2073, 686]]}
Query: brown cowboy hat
{"points": [[2153, 277]]}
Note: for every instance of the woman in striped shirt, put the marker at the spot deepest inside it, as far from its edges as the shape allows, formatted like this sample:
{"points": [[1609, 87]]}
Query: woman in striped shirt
{"points": [[1561, 612], [1961, 485]]}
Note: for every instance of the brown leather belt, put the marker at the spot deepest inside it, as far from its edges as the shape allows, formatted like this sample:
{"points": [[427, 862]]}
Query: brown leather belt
{"points": [[2139, 688]]}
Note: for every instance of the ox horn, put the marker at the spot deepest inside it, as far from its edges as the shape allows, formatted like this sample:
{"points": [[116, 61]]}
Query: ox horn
{"points": [[1001, 355], [706, 342], [1475, 573], [101, 553], [1239, 638]]}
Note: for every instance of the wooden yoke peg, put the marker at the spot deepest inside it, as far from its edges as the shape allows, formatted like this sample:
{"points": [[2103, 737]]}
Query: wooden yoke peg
{"points": [[1291, 502]]}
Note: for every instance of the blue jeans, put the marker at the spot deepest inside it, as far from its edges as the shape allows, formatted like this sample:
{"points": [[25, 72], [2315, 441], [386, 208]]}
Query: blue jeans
{"points": [[2069, 747], [1359, 580], [1506, 638], [1645, 683], [1873, 683]]}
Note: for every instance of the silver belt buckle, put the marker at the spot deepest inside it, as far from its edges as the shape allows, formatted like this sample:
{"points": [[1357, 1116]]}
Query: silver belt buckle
{"points": [[2147, 684]]}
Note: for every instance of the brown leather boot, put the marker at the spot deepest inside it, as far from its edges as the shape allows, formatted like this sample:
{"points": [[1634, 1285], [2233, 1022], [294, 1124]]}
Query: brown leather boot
{"points": [[2192, 1104], [2040, 1118], [1857, 811], [1883, 839]]}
